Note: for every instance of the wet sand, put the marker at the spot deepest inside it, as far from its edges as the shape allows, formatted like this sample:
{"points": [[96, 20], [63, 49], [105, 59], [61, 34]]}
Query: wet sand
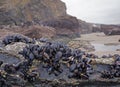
{"points": [[101, 38]]}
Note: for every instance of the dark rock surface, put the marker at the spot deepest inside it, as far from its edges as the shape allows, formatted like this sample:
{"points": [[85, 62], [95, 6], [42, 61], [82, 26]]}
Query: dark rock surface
{"points": [[8, 59]]}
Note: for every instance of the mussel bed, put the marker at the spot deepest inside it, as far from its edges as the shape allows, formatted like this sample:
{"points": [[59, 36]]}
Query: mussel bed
{"points": [[54, 63]]}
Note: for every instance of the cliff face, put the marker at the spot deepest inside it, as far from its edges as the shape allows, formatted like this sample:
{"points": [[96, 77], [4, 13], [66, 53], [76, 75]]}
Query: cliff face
{"points": [[64, 25], [17, 11], [51, 13], [107, 29], [110, 29], [85, 27], [92, 27]]}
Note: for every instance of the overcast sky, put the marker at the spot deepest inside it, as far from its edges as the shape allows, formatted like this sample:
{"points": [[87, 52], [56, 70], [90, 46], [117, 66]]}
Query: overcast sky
{"points": [[96, 11]]}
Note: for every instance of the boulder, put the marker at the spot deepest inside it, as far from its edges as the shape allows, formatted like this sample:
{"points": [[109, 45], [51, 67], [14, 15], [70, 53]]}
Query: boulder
{"points": [[16, 47]]}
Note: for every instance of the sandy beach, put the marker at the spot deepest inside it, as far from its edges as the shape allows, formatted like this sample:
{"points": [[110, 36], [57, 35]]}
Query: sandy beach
{"points": [[101, 38]]}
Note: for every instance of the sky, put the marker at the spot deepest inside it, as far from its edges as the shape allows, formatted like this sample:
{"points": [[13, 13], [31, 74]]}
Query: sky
{"points": [[95, 11]]}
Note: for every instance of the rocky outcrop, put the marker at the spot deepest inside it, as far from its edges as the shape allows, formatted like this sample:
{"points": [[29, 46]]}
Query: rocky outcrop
{"points": [[4, 32], [85, 27], [50, 13], [18, 11], [16, 48], [34, 31], [107, 29], [37, 31], [111, 29], [64, 25]]}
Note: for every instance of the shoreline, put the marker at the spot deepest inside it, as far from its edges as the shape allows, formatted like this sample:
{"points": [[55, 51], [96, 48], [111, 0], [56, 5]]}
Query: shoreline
{"points": [[101, 38]]}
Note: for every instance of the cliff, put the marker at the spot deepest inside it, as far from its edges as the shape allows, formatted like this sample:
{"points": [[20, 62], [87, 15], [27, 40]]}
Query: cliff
{"points": [[51, 13], [85, 27], [18, 11], [65, 26]]}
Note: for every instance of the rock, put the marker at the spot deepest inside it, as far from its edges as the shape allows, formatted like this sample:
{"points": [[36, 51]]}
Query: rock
{"points": [[65, 26], [5, 32], [119, 40], [114, 32], [110, 29], [104, 60], [81, 44], [45, 55], [38, 32], [118, 50], [31, 12], [16, 12], [16, 80], [107, 29], [68, 22], [33, 31], [1, 45], [85, 27], [9, 58], [16, 47]]}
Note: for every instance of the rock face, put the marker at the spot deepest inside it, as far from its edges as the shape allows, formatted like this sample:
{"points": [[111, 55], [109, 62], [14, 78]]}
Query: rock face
{"points": [[4, 32], [107, 29], [85, 27], [34, 31], [111, 29], [64, 25], [37, 31], [17, 11], [91, 27], [51, 13]]}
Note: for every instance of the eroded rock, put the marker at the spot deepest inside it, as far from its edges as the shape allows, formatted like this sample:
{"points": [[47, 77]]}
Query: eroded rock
{"points": [[16, 47], [16, 12]]}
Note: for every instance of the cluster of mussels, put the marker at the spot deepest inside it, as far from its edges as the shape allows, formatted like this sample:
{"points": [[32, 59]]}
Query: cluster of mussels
{"points": [[52, 54], [21, 69], [16, 38], [114, 70], [3, 82]]}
